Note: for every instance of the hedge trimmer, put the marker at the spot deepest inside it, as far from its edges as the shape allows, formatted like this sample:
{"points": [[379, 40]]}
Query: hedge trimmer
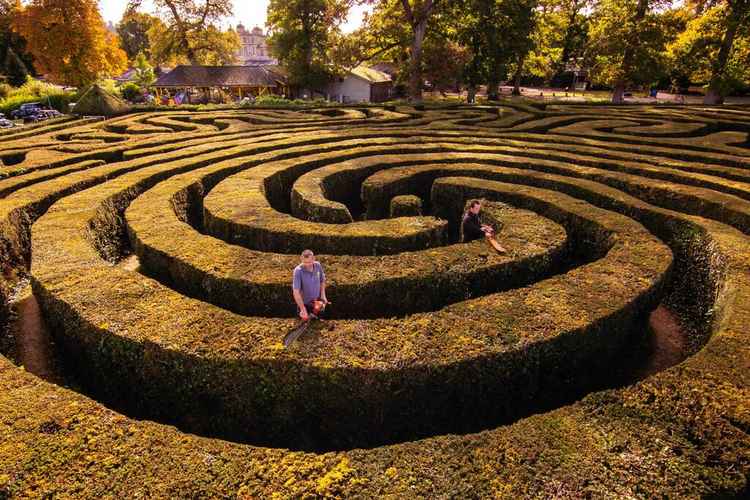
{"points": [[297, 331]]}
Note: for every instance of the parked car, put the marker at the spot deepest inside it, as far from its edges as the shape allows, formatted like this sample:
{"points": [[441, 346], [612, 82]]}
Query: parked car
{"points": [[5, 123], [26, 110], [49, 113], [34, 112]]}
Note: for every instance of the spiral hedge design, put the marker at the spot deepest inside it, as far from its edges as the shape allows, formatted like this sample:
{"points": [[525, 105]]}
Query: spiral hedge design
{"points": [[445, 369]]}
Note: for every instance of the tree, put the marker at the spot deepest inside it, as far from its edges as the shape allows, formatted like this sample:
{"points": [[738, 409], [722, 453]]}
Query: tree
{"points": [[190, 31], [444, 61], [133, 31], [15, 61], [714, 37], [210, 46], [301, 36], [144, 73], [560, 34], [519, 23], [417, 14], [497, 35], [69, 41], [627, 44]]}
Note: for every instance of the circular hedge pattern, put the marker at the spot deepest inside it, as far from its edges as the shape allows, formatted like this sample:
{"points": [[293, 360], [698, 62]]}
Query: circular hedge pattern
{"points": [[444, 369]]}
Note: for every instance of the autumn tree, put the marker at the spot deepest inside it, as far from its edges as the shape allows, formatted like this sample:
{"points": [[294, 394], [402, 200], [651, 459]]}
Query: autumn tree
{"points": [[190, 32], [301, 36], [69, 41]]}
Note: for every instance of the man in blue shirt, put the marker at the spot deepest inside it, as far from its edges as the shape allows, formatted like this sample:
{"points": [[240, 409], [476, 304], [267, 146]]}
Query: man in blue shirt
{"points": [[308, 284]]}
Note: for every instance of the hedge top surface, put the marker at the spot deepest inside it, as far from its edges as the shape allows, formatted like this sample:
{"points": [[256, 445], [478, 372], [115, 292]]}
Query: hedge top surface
{"points": [[52, 267]]}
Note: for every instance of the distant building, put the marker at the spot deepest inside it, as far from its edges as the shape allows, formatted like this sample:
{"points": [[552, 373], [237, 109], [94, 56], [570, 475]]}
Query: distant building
{"points": [[198, 84], [253, 49], [362, 84]]}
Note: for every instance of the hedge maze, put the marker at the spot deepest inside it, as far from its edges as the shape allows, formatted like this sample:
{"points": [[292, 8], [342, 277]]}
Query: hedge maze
{"points": [[445, 369]]}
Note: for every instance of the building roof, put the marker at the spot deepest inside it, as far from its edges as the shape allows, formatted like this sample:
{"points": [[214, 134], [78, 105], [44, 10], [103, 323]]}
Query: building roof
{"points": [[370, 75], [126, 76], [221, 76]]}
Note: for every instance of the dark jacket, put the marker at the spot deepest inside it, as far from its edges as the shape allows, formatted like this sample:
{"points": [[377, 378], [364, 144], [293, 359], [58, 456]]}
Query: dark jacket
{"points": [[472, 227]]}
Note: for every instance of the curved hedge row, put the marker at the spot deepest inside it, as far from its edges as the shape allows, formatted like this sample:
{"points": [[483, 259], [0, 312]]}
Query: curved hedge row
{"points": [[117, 362]]}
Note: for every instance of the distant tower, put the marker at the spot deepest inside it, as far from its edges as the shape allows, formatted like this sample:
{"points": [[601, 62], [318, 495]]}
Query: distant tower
{"points": [[253, 49]]}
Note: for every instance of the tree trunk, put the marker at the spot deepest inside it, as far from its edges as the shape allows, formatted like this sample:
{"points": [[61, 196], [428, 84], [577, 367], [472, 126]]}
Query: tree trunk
{"points": [[493, 91], [415, 64], [715, 92], [471, 93], [517, 77], [618, 94]]}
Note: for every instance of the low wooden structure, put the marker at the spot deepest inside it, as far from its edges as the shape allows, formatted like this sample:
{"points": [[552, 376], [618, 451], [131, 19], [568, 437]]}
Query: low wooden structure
{"points": [[217, 83], [361, 84]]}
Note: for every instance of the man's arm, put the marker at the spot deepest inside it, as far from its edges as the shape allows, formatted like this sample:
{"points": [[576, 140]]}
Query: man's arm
{"points": [[296, 285], [323, 291], [298, 299]]}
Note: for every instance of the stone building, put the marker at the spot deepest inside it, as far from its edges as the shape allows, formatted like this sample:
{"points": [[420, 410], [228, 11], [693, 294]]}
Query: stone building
{"points": [[253, 49]]}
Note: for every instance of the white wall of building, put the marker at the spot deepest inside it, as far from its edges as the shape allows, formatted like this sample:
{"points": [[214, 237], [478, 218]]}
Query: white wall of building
{"points": [[352, 89]]}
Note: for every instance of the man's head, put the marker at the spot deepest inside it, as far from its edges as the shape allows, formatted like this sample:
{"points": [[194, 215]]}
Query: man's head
{"points": [[307, 258], [474, 206]]}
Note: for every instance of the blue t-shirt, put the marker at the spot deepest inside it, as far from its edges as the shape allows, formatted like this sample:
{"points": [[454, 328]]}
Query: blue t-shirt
{"points": [[308, 281]]}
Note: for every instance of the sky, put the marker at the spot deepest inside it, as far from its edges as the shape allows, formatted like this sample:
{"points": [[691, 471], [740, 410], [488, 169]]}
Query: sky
{"points": [[248, 12]]}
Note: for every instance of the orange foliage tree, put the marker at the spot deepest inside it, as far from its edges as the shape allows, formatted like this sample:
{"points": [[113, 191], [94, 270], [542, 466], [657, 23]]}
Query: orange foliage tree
{"points": [[69, 41]]}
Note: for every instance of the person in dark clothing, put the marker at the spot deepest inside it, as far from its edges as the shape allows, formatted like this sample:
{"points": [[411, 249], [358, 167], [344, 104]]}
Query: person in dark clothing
{"points": [[473, 228]]}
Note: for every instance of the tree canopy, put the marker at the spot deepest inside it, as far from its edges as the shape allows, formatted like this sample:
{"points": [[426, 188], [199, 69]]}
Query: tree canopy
{"points": [[69, 41], [302, 32], [15, 60], [189, 32]]}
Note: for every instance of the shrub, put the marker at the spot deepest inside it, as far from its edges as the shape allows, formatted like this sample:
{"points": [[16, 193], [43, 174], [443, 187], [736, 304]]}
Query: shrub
{"points": [[32, 91], [131, 92]]}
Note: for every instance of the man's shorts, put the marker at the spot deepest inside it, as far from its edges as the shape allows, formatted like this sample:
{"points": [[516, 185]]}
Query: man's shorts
{"points": [[309, 307]]}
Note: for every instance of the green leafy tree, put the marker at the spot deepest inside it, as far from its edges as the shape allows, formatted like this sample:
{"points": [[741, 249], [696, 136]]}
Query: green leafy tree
{"points": [[520, 20], [627, 44], [302, 32], [144, 72], [497, 37], [190, 32], [560, 34], [417, 15], [401, 28], [714, 47], [133, 30]]}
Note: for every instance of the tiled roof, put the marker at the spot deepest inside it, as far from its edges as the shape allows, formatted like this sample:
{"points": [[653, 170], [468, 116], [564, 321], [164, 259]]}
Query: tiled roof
{"points": [[221, 76], [370, 74]]}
